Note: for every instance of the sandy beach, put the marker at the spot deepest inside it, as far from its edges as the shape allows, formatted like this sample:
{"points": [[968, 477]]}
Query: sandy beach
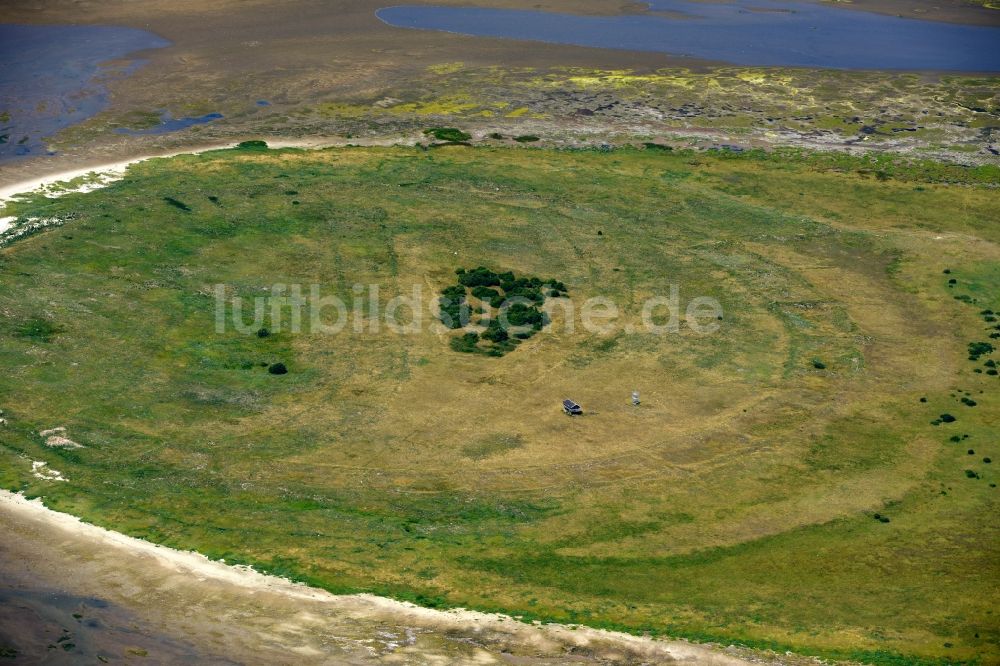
{"points": [[98, 175], [114, 595]]}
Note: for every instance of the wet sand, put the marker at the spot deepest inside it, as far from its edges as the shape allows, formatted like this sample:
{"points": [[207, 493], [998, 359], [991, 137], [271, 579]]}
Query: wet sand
{"points": [[75, 593]]}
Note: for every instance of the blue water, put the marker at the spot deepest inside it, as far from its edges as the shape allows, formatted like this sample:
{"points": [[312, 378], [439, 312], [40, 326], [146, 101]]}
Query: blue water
{"points": [[744, 32], [170, 124], [52, 76]]}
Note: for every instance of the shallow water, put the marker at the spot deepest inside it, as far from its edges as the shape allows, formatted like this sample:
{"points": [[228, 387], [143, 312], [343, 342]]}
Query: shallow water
{"points": [[51, 77], [744, 32], [170, 124]]}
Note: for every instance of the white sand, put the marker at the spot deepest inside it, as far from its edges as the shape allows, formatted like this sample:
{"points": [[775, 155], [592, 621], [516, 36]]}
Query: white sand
{"points": [[100, 175]]}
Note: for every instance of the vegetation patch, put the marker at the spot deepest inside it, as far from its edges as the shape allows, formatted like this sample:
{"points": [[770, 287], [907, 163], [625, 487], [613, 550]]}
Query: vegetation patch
{"points": [[176, 203], [734, 505], [492, 445], [509, 309], [450, 134], [39, 329], [977, 349]]}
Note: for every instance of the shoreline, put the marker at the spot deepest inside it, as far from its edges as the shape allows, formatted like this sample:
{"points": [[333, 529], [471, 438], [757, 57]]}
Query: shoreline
{"points": [[67, 531], [108, 172]]}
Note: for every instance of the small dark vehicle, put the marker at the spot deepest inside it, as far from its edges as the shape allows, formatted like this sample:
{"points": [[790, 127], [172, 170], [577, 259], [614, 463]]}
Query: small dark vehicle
{"points": [[572, 408]]}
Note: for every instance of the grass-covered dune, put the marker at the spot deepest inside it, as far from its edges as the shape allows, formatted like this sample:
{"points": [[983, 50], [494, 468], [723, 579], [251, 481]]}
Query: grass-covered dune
{"points": [[782, 484]]}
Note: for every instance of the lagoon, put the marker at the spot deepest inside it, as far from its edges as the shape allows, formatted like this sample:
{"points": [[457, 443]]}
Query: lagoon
{"points": [[745, 32], [52, 76]]}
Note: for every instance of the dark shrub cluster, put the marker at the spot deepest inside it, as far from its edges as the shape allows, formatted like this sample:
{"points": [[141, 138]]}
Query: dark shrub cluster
{"points": [[488, 295], [466, 343], [977, 349], [944, 418], [495, 332], [519, 314], [511, 308], [452, 134], [454, 311], [478, 277]]}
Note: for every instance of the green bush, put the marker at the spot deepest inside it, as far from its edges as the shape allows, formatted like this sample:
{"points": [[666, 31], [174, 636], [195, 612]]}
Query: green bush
{"points": [[479, 277], [555, 285], [448, 134], [519, 314], [977, 349], [466, 343], [947, 418], [455, 292], [252, 145], [277, 369], [488, 294], [495, 332], [524, 313], [526, 138], [454, 312]]}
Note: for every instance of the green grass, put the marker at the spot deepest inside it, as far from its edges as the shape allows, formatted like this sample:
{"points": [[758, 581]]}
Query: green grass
{"points": [[736, 504]]}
